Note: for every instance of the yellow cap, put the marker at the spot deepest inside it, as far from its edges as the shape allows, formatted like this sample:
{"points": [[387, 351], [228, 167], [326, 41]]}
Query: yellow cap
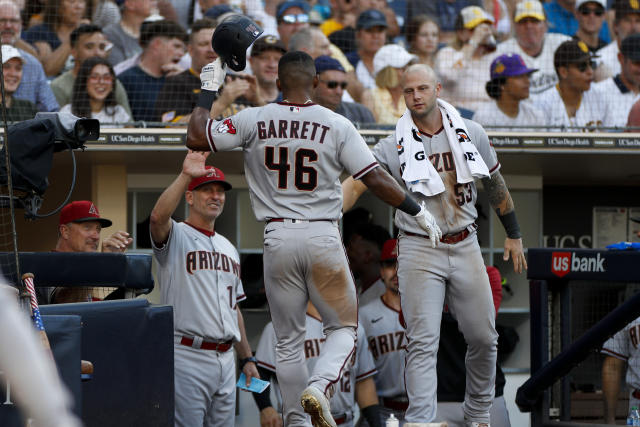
{"points": [[529, 9], [472, 16]]}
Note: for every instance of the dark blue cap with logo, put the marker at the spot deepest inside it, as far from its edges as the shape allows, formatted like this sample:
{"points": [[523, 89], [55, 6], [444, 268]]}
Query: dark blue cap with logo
{"points": [[509, 65], [630, 47], [219, 10], [326, 63], [282, 7], [371, 18]]}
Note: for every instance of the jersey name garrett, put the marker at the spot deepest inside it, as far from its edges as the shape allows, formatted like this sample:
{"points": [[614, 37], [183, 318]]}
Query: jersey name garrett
{"points": [[284, 129]]}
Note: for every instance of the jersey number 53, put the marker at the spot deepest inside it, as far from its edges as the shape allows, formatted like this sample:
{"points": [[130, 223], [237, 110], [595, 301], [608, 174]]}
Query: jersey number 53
{"points": [[305, 176]]}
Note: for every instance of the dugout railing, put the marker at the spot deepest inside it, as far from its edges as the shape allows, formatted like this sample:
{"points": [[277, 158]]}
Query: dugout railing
{"points": [[554, 352]]}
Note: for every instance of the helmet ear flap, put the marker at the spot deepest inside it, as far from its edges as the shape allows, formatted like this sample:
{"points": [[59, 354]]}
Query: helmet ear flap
{"points": [[231, 39]]}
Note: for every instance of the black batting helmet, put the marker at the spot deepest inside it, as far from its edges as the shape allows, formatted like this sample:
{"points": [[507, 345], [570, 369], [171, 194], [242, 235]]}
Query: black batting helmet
{"points": [[232, 38]]}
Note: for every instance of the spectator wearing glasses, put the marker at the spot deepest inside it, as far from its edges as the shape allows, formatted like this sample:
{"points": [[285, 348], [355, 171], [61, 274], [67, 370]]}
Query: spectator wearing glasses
{"points": [[590, 15], [87, 41], [562, 18], [509, 89], [291, 15], [573, 102], [17, 109], [265, 55], [331, 86], [93, 93], [422, 35], [623, 89], [371, 35], [386, 100], [51, 38], [33, 86], [626, 22], [466, 61], [534, 44]]}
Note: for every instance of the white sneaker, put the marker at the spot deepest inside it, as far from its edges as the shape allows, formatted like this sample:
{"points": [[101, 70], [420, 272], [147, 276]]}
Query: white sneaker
{"points": [[316, 404]]}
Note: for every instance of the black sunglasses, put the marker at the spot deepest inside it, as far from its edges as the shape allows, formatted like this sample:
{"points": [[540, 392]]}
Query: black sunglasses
{"points": [[582, 67], [332, 84], [588, 10]]}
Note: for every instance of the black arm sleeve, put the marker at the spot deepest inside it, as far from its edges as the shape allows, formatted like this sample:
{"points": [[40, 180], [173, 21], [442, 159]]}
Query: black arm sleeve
{"points": [[263, 400], [372, 415]]}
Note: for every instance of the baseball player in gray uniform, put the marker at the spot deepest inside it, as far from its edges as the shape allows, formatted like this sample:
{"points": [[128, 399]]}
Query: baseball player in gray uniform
{"points": [[380, 318], [621, 348], [455, 268], [294, 153], [356, 383], [199, 275]]}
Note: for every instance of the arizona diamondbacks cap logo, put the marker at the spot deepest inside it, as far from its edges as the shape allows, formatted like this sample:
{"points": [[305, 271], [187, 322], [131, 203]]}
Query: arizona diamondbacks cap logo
{"points": [[93, 210]]}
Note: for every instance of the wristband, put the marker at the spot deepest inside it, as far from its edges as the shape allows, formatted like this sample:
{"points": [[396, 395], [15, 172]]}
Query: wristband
{"points": [[206, 99], [409, 206], [247, 360], [372, 415], [510, 224]]}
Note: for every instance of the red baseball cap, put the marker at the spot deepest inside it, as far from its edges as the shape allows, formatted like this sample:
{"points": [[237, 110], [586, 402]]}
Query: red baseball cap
{"points": [[215, 175], [82, 211], [389, 250]]}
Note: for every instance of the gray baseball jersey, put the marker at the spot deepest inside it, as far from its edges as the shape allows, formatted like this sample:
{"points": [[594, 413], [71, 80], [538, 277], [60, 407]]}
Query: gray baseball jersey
{"points": [[294, 155], [387, 343], [624, 345], [374, 291], [199, 275], [454, 209], [360, 367]]}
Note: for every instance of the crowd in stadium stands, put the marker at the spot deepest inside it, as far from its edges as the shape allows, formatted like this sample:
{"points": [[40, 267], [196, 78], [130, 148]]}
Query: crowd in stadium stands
{"points": [[571, 65]]}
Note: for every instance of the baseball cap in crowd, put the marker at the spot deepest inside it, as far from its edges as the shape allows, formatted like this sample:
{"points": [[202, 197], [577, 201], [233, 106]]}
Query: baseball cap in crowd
{"points": [[266, 43], [326, 63], [214, 175], [630, 47], [472, 16], [391, 55], [602, 3], [389, 250], [509, 65], [10, 52], [529, 9], [371, 18], [82, 211], [626, 7], [219, 10], [282, 7], [572, 52]]}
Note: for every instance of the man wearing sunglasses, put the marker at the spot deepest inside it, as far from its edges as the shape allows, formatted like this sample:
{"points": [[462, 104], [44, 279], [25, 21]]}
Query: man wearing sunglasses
{"points": [[562, 18], [292, 15], [590, 15], [328, 93], [573, 105]]}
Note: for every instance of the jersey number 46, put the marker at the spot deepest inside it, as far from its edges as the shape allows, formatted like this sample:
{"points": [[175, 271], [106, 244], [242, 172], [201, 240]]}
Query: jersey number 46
{"points": [[305, 177]]}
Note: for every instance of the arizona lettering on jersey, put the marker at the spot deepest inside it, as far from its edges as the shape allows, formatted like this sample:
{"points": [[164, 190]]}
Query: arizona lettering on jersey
{"points": [[387, 342], [211, 260], [360, 366], [206, 298]]}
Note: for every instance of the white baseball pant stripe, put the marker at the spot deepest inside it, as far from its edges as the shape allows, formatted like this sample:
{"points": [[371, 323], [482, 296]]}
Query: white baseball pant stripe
{"points": [[425, 276]]}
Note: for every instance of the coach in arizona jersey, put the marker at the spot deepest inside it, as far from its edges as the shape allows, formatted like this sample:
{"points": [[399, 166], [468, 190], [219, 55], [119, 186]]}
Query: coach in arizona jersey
{"points": [[199, 275]]}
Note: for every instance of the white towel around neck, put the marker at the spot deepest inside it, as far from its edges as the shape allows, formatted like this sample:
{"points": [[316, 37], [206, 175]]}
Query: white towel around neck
{"points": [[418, 172]]}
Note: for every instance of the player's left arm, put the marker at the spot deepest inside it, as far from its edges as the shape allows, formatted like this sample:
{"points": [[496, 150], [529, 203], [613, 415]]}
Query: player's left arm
{"points": [[501, 201], [367, 399], [243, 349]]}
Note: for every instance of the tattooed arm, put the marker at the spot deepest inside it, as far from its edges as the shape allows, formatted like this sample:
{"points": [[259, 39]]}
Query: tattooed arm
{"points": [[501, 201]]}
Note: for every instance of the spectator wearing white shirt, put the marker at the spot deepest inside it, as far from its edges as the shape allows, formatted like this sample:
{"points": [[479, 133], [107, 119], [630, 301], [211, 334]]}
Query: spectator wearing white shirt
{"points": [[509, 88], [534, 44], [623, 90], [466, 61], [625, 23], [573, 103]]}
